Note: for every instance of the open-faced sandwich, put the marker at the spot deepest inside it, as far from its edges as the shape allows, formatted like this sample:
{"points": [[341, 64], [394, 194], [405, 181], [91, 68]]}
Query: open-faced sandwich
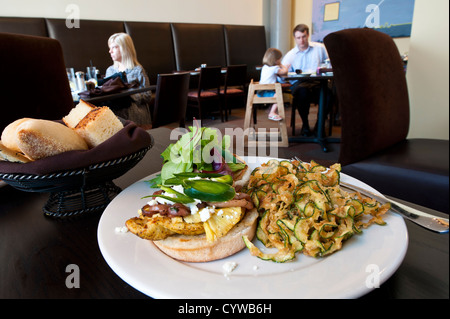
{"points": [[198, 214]]}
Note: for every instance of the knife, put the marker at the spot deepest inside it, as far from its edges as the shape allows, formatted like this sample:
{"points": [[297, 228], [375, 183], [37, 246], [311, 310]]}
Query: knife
{"points": [[428, 221]]}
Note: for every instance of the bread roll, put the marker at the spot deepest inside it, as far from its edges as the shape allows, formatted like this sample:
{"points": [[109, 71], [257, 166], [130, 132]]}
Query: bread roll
{"points": [[78, 113], [8, 138], [42, 138], [197, 249], [94, 124], [9, 155], [98, 125]]}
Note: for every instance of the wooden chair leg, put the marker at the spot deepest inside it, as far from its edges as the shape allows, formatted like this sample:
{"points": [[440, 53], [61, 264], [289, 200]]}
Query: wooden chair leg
{"points": [[283, 129], [249, 107]]}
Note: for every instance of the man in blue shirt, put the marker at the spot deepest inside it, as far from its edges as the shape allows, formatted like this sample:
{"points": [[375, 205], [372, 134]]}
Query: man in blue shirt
{"points": [[307, 57]]}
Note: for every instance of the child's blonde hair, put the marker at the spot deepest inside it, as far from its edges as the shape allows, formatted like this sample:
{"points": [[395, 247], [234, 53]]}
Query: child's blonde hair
{"points": [[127, 50], [272, 56]]}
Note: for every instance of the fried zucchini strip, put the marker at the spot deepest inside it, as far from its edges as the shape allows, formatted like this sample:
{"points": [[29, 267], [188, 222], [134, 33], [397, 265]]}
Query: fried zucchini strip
{"points": [[303, 209]]}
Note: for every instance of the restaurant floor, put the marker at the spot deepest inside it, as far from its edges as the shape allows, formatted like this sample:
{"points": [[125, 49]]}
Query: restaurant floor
{"points": [[305, 151]]}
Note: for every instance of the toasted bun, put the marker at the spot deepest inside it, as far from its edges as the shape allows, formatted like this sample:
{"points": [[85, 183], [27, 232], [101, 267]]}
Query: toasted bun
{"points": [[8, 138], [98, 125], [78, 113], [42, 138], [197, 249]]}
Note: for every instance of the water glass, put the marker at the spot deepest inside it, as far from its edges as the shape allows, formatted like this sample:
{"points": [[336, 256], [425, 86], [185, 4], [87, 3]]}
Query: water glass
{"points": [[91, 74], [72, 80], [81, 84]]}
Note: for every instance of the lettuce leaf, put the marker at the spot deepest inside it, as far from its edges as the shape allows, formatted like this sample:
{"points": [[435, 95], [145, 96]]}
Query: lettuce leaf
{"points": [[195, 150]]}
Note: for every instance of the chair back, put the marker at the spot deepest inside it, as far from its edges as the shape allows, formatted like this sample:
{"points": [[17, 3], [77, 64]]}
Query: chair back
{"points": [[236, 76], [210, 78], [34, 82], [371, 90], [171, 99]]}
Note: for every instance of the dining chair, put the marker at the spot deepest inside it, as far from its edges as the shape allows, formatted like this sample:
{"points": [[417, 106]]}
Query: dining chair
{"points": [[171, 99], [265, 139], [207, 92], [374, 107], [234, 86], [34, 83]]}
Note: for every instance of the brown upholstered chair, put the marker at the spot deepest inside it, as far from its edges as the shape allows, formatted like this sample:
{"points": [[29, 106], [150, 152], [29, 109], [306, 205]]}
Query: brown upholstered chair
{"points": [[171, 99], [374, 106], [207, 92], [234, 86], [34, 83]]}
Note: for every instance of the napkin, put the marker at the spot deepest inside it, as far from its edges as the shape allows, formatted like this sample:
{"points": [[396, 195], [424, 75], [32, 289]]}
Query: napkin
{"points": [[121, 75], [111, 86], [125, 142]]}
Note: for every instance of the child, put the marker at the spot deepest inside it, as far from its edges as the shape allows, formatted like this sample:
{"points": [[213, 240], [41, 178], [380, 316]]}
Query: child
{"points": [[270, 71]]}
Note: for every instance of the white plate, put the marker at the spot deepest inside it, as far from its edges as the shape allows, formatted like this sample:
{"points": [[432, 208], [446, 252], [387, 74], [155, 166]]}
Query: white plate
{"points": [[364, 261]]}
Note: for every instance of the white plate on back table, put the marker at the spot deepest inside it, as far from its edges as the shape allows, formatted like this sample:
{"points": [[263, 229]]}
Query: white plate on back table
{"points": [[348, 273]]}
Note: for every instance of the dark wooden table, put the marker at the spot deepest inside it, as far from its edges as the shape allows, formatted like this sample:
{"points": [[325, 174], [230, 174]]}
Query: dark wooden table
{"points": [[319, 138], [37, 252], [123, 93]]}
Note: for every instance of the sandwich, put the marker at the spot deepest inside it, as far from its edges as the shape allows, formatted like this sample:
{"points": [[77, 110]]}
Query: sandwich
{"points": [[197, 213]]}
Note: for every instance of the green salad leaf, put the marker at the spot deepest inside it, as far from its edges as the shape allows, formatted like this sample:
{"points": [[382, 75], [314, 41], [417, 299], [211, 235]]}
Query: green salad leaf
{"points": [[196, 150]]}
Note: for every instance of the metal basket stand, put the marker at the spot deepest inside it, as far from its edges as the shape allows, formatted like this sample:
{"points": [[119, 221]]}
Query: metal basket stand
{"points": [[74, 203]]}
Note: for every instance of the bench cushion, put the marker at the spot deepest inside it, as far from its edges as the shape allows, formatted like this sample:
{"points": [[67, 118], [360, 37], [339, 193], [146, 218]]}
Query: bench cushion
{"points": [[197, 44], [153, 43], [245, 44], [85, 44], [28, 26]]}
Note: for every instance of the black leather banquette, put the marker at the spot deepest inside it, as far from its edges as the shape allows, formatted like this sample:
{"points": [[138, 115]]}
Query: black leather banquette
{"points": [[162, 47]]}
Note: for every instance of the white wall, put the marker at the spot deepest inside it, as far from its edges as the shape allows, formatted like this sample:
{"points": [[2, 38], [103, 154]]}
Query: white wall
{"points": [[194, 11], [428, 70]]}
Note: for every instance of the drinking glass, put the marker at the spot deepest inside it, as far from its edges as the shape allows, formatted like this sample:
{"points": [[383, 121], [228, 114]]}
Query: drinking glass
{"points": [[91, 74], [81, 84], [72, 80]]}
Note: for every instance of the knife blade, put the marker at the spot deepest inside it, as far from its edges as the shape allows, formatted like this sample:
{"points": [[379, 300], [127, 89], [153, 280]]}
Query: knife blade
{"points": [[428, 221]]}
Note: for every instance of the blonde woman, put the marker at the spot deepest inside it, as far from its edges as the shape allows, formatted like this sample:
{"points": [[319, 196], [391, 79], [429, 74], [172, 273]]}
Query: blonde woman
{"points": [[123, 54], [270, 71]]}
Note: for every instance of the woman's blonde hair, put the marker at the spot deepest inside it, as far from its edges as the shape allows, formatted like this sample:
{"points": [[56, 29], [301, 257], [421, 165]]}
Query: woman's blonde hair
{"points": [[272, 56], [127, 50]]}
